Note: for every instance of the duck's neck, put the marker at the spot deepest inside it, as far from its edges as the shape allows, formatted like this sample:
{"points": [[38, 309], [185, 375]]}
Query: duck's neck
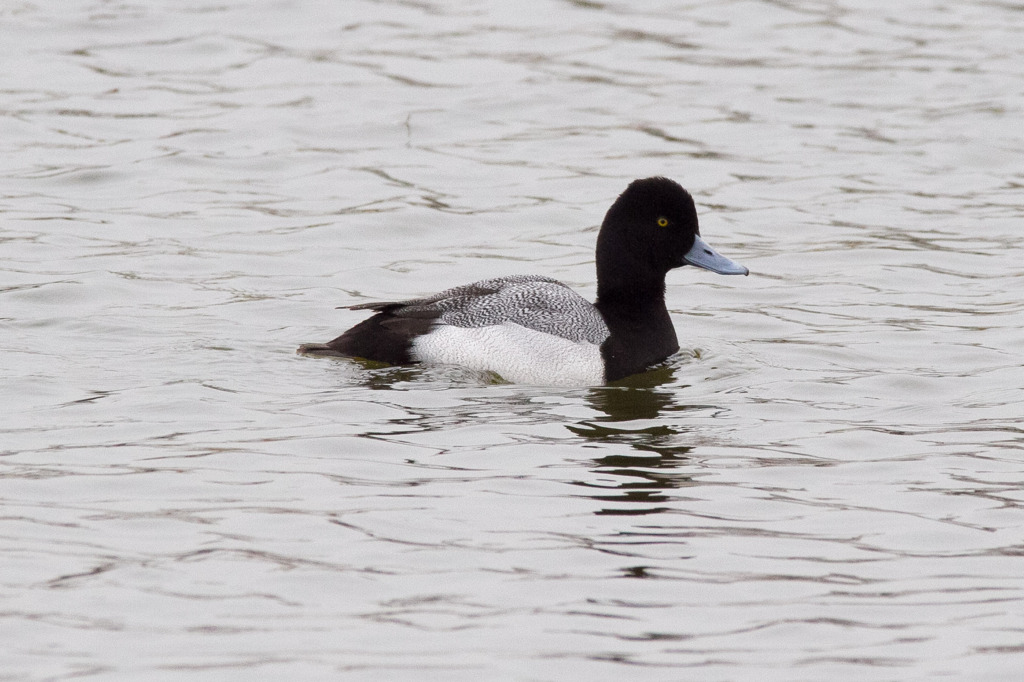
{"points": [[626, 285], [634, 307]]}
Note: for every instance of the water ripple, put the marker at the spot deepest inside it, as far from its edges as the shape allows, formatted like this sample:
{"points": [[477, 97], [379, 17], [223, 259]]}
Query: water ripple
{"points": [[824, 480]]}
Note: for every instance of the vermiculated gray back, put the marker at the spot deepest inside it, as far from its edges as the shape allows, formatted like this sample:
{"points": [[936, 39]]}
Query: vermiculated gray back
{"points": [[539, 303]]}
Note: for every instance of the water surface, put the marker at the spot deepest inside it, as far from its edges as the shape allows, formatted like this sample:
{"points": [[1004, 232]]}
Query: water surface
{"points": [[825, 483]]}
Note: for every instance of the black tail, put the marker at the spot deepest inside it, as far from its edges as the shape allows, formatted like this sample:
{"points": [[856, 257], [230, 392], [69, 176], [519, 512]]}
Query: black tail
{"points": [[384, 337]]}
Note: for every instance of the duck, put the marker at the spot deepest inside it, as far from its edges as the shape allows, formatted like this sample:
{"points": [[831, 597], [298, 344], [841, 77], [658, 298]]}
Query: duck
{"points": [[532, 329]]}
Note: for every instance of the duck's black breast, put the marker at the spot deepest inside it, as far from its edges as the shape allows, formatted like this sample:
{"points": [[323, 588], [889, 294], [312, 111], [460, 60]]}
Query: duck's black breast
{"points": [[640, 337]]}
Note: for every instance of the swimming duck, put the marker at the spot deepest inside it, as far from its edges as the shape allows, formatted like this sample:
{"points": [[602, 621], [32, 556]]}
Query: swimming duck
{"points": [[535, 330]]}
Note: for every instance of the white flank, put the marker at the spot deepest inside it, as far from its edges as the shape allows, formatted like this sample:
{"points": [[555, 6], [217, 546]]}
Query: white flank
{"points": [[515, 353]]}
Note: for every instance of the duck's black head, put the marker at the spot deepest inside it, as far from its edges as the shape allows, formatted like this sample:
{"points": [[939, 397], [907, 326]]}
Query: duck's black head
{"points": [[651, 228], [648, 229]]}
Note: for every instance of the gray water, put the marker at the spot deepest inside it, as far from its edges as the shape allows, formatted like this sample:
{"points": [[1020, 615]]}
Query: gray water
{"points": [[825, 483]]}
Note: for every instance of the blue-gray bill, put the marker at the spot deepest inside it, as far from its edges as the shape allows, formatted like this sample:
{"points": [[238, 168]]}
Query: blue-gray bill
{"points": [[703, 256]]}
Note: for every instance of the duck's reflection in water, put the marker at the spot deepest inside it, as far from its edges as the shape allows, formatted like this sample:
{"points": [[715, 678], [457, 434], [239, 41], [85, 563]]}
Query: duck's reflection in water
{"points": [[637, 410], [641, 427]]}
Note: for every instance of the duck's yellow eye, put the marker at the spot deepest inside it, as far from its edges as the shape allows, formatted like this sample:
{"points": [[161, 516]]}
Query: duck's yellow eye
{"points": [[662, 222]]}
